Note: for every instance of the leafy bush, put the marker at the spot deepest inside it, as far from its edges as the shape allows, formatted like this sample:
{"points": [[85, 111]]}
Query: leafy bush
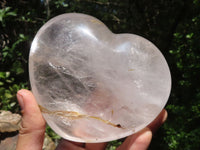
{"points": [[172, 25]]}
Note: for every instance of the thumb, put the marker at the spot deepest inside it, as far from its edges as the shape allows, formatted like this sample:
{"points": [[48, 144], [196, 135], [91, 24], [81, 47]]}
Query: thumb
{"points": [[31, 134]]}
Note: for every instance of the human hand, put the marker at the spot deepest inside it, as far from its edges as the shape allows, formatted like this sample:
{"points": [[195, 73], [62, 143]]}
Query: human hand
{"points": [[31, 134]]}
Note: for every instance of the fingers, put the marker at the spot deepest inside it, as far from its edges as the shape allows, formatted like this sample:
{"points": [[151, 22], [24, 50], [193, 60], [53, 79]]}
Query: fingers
{"points": [[67, 145], [32, 130], [160, 119], [95, 146], [142, 139], [138, 141]]}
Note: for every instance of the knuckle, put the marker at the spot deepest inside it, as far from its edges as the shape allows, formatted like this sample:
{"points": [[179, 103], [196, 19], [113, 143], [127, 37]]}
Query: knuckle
{"points": [[28, 129]]}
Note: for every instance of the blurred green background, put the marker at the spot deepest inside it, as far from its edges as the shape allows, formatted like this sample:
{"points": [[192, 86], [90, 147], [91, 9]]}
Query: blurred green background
{"points": [[173, 26]]}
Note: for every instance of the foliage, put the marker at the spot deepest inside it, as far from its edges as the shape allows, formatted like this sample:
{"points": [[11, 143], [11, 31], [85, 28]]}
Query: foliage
{"points": [[186, 90], [6, 13], [52, 134], [172, 25], [182, 127], [114, 144]]}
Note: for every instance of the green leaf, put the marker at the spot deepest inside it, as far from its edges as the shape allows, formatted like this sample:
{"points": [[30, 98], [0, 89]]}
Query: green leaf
{"points": [[17, 68], [8, 95], [7, 74], [19, 71], [5, 13], [13, 104], [189, 36], [2, 75], [12, 13]]}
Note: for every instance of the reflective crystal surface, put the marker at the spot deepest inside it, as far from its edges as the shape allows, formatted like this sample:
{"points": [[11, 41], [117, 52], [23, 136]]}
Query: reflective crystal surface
{"points": [[93, 85]]}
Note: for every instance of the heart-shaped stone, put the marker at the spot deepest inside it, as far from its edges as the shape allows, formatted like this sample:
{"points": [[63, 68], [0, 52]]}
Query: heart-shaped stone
{"points": [[93, 85]]}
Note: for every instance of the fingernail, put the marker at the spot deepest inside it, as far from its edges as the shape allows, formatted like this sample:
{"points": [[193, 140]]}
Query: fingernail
{"points": [[20, 100], [165, 116]]}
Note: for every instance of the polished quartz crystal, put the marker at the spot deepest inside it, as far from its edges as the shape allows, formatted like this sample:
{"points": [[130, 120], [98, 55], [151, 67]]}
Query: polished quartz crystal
{"points": [[93, 85]]}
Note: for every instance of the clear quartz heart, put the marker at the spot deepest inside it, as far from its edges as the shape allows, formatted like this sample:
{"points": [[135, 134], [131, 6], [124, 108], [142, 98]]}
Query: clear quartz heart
{"points": [[93, 85]]}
